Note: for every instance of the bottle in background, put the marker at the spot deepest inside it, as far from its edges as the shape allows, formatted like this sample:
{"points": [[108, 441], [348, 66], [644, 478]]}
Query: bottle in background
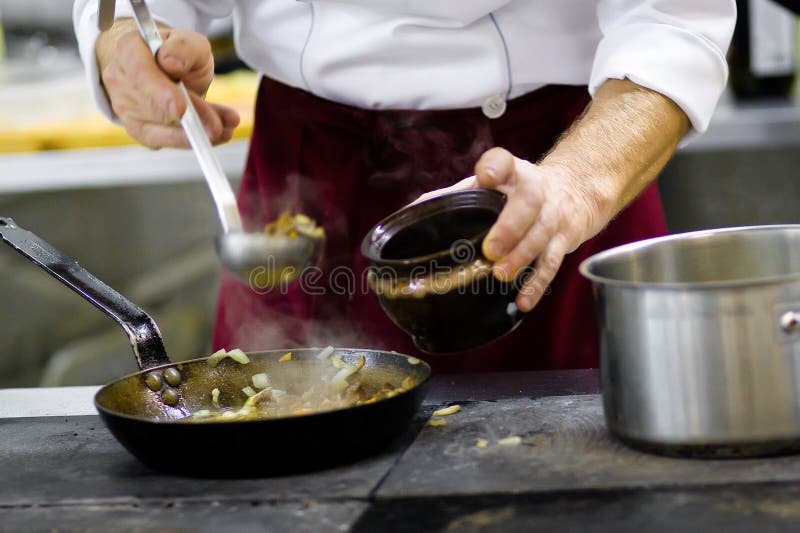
{"points": [[763, 51]]}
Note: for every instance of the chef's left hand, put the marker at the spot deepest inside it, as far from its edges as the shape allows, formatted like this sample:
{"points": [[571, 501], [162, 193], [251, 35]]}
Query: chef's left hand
{"points": [[546, 216], [605, 159]]}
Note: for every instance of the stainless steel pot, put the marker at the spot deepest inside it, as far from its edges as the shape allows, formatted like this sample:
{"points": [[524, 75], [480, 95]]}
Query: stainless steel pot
{"points": [[700, 340]]}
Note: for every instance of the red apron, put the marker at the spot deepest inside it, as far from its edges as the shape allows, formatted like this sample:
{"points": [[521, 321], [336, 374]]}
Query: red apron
{"points": [[348, 168]]}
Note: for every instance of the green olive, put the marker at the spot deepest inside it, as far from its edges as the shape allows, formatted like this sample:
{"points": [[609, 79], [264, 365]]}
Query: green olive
{"points": [[170, 397], [153, 381], [173, 376]]}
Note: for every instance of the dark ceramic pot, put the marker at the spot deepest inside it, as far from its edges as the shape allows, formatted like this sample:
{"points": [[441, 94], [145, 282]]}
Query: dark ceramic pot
{"points": [[432, 280]]}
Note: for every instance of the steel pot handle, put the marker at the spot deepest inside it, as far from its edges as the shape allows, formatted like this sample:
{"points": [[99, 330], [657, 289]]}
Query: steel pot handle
{"points": [[142, 330]]}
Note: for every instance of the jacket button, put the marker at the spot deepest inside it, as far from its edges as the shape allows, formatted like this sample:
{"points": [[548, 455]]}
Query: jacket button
{"points": [[494, 106]]}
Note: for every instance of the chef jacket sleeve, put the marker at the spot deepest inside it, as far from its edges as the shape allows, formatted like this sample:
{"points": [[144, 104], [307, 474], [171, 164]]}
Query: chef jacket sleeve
{"points": [[674, 47], [191, 15]]}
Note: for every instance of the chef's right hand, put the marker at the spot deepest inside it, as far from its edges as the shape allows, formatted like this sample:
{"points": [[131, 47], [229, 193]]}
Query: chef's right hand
{"points": [[142, 89]]}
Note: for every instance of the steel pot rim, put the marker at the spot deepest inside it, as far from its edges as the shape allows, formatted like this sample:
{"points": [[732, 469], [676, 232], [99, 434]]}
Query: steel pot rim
{"points": [[587, 265]]}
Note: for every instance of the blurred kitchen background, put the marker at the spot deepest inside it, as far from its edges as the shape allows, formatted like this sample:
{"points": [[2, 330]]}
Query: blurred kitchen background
{"points": [[143, 222]]}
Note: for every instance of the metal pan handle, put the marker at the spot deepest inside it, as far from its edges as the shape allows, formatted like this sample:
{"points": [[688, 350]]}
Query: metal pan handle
{"points": [[142, 330]]}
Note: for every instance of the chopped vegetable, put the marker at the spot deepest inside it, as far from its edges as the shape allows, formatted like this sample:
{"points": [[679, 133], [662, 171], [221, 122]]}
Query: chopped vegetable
{"points": [[249, 391], [217, 356], [510, 441], [288, 225], [446, 411], [285, 357], [413, 361], [215, 397], [337, 362], [235, 354], [260, 397], [325, 353], [339, 381], [436, 422], [482, 443], [239, 356], [260, 381]]}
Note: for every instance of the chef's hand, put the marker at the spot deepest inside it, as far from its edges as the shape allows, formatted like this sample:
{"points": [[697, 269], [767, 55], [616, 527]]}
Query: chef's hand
{"points": [[546, 216], [142, 89], [544, 219], [617, 148]]}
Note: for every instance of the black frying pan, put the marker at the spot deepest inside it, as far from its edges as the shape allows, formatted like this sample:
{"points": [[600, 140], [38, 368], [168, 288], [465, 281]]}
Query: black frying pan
{"points": [[146, 419]]}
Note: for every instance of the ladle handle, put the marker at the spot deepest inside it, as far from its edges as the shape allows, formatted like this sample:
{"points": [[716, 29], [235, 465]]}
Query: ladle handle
{"points": [[218, 184], [142, 330], [105, 14]]}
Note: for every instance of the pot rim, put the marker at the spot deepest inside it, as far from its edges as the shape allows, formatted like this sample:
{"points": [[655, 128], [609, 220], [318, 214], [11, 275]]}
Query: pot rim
{"points": [[589, 263], [412, 213]]}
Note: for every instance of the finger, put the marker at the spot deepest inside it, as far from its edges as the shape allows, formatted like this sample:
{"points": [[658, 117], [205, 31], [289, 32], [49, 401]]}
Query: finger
{"points": [[543, 273], [227, 135], [517, 217], [527, 250], [186, 55], [229, 116], [463, 185], [212, 122], [146, 133], [494, 168], [155, 136]]}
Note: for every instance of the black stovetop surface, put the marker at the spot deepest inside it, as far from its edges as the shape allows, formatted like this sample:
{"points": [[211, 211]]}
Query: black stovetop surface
{"points": [[565, 472]]}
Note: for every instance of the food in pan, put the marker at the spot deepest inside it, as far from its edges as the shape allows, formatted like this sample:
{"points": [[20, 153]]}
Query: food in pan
{"points": [[237, 355], [327, 383]]}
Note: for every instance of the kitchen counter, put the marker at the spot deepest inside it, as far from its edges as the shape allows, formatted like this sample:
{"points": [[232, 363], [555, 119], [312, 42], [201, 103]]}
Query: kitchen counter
{"points": [[63, 471]]}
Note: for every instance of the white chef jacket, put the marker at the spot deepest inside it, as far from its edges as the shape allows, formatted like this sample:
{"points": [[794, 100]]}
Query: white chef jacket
{"points": [[445, 54]]}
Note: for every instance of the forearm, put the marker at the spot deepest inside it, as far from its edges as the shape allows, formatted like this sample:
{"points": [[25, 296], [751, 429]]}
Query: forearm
{"points": [[620, 144]]}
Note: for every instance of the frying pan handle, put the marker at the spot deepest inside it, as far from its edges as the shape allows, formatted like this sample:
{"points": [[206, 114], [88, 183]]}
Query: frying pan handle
{"points": [[141, 329]]}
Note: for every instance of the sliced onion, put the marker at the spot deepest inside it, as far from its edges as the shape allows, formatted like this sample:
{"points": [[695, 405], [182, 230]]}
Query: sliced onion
{"points": [[215, 397], [436, 422], [261, 394], [510, 441], [249, 391], [482, 443], [216, 357], [325, 353], [202, 413], [339, 381], [446, 411], [239, 356], [413, 361], [260, 381]]}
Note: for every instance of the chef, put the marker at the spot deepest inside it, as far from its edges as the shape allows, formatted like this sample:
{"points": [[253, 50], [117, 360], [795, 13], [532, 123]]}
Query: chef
{"points": [[569, 108]]}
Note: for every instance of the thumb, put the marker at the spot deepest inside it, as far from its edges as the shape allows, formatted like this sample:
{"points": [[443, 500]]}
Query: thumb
{"points": [[495, 168], [184, 52]]}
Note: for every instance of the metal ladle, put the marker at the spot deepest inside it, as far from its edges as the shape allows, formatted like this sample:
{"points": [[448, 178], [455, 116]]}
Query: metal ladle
{"points": [[256, 258]]}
